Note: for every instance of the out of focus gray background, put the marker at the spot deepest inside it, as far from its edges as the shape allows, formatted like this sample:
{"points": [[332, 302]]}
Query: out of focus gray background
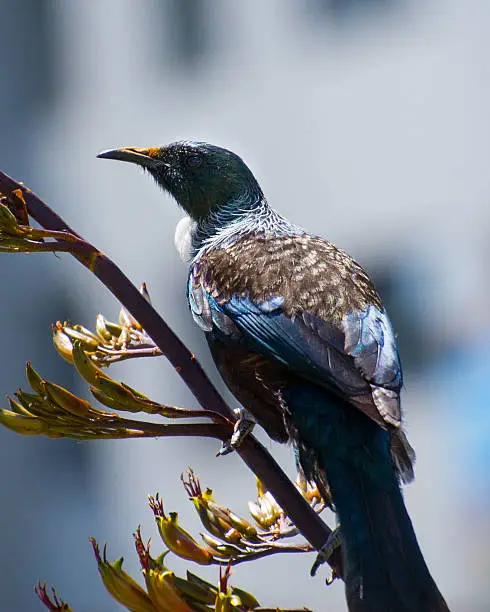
{"points": [[365, 121]]}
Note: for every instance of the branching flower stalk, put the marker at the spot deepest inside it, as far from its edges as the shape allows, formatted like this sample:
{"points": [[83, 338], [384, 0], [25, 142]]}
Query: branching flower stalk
{"points": [[48, 409], [23, 202], [228, 540]]}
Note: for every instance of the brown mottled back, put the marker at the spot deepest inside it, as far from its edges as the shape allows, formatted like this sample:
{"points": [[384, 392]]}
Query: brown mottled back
{"points": [[310, 273]]}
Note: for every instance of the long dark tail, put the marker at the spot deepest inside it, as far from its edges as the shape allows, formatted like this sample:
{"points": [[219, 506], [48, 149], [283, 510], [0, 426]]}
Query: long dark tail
{"points": [[384, 567]]}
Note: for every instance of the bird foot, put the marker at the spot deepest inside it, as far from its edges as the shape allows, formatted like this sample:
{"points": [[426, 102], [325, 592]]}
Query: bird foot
{"points": [[333, 542], [243, 426]]}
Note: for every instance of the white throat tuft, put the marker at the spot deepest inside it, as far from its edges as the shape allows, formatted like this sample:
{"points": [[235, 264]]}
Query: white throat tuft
{"points": [[183, 238]]}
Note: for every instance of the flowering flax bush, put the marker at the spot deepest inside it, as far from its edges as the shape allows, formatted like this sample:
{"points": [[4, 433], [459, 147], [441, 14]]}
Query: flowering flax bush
{"points": [[46, 408]]}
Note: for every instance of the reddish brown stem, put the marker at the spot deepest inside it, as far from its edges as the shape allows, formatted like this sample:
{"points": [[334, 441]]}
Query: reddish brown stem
{"points": [[201, 430]]}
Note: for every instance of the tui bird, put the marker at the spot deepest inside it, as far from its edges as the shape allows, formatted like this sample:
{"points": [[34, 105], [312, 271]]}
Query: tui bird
{"points": [[300, 336]]}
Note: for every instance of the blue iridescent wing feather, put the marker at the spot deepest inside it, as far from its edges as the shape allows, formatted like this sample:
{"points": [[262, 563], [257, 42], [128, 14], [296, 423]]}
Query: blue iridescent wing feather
{"points": [[358, 360]]}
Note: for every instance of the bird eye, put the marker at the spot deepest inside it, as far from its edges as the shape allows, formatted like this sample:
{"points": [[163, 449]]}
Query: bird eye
{"points": [[194, 161]]}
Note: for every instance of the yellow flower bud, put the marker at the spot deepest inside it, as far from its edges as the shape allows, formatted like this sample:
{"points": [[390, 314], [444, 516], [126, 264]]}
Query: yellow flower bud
{"points": [[113, 328], [265, 511], [19, 408], [87, 339], [214, 521], [196, 592], [163, 591], [224, 602], [119, 394], [62, 342], [22, 424], [68, 401], [247, 600], [120, 585], [219, 549], [175, 537], [101, 329], [8, 222], [86, 368], [126, 319], [243, 526], [36, 382]]}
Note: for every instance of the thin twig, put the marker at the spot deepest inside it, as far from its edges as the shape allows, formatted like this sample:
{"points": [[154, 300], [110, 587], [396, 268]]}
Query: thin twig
{"points": [[130, 353], [260, 554]]}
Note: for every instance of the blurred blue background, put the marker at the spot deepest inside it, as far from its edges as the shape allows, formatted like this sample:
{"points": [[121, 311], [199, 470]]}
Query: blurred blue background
{"points": [[364, 121]]}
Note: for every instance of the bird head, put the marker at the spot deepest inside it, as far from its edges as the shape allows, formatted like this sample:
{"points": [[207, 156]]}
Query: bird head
{"points": [[201, 177]]}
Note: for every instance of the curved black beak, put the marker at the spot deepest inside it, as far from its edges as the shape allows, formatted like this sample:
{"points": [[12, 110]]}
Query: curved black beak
{"points": [[148, 158]]}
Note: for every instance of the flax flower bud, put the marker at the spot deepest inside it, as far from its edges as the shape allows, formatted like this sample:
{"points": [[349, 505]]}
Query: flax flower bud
{"points": [[120, 585], [175, 537]]}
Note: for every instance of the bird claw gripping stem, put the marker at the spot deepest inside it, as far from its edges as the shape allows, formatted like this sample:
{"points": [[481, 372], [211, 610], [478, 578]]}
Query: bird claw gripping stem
{"points": [[243, 426], [333, 542]]}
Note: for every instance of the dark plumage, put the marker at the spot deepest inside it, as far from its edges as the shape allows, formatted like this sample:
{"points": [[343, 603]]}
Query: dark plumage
{"points": [[302, 339], [311, 275]]}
